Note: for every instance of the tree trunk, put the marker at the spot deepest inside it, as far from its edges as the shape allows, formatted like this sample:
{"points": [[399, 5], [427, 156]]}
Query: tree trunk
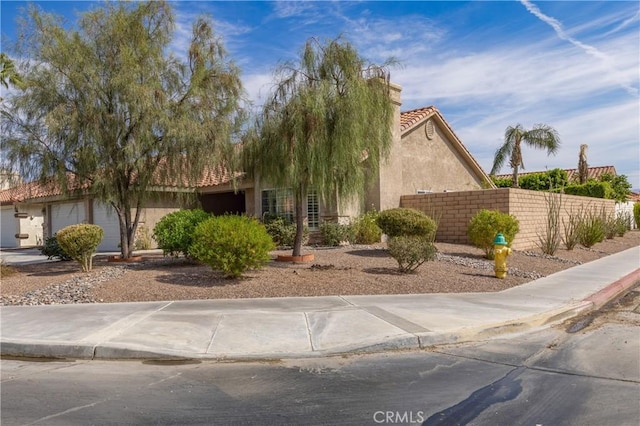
{"points": [[297, 242], [514, 178]]}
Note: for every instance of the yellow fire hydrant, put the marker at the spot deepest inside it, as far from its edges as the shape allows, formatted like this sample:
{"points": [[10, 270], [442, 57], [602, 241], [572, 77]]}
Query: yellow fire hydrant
{"points": [[501, 252]]}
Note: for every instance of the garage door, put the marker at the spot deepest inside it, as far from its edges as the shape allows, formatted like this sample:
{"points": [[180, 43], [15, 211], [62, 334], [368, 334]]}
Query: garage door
{"points": [[105, 216], [66, 214], [8, 227]]}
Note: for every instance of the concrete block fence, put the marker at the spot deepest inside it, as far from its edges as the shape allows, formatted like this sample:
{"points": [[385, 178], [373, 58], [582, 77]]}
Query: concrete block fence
{"points": [[531, 208]]}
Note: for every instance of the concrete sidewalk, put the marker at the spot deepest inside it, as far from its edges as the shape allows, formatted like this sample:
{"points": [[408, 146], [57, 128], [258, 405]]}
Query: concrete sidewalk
{"points": [[311, 326]]}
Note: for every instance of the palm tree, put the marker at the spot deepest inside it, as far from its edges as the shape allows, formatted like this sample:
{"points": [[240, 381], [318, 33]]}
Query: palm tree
{"points": [[8, 73], [541, 136], [583, 167]]}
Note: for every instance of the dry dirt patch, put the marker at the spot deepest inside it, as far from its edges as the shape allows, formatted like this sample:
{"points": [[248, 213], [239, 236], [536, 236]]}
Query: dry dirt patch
{"points": [[335, 271]]}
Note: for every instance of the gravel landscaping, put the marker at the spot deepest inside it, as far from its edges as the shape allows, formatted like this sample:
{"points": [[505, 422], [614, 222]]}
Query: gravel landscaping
{"points": [[345, 270]]}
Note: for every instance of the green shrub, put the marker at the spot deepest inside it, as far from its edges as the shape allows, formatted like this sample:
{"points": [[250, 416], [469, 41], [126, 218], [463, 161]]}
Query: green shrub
{"points": [[502, 182], [411, 251], [636, 213], [52, 249], [174, 232], [570, 230], [232, 244], [366, 229], [549, 240], [283, 231], [535, 181], [610, 224], [80, 242], [486, 224], [591, 230], [623, 223], [333, 233], [591, 189], [406, 222]]}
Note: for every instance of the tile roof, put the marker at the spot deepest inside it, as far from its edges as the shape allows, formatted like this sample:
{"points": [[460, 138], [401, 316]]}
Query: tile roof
{"points": [[572, 174], [33, 190], [410, 118]]}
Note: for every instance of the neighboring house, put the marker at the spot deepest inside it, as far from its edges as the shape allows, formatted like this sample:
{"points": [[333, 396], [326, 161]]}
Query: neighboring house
{"points": [[426, 156], [572, 174]]}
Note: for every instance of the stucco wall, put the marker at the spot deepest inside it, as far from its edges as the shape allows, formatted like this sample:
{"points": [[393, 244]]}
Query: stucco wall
{"points": [[455, 210], [433, 164]]}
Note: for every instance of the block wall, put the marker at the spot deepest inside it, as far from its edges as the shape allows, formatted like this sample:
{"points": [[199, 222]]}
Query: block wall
{"points": [[454, 210]]}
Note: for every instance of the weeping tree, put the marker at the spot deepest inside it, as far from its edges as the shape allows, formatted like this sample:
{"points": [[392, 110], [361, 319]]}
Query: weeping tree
{"points": [[540, 137], [107, 108], [329, 113]]}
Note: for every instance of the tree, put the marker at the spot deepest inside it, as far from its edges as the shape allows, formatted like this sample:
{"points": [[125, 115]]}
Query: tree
{"points": [[330, 113], [583, 167], [541, 136], [109, 109], [8, 73]]}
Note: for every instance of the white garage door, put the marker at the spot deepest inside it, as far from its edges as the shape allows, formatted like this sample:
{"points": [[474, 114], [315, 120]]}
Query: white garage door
{"points": [[105, 216], [8, 227], [66, 214]]}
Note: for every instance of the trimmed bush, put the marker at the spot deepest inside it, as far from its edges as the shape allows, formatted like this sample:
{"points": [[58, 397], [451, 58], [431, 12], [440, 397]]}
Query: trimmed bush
{"points": [[174, 232], [411, 251], [636, 213], [591, 189], [333, 233], [80, 243], [52, 249], [366, 229], [406, 222], [231, 244], [283, 231], [486, 224]]}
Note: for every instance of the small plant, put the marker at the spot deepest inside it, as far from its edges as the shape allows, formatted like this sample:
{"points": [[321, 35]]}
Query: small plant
{"points": [[405, 222], [174, 232], [366, 229], [80, 243], [5, 270], [550, 240], [486, 224], [232, 244], [283, 230], [411, 251], [143, 239], [52, 249], [591, 230], [610, 224], [636, 213], [623, 223], [333, 233], [570, 227]]}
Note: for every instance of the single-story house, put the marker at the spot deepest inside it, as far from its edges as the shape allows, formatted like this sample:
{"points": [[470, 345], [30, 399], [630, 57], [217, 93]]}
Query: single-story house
{"points": [[426, 156], [572, 174]]}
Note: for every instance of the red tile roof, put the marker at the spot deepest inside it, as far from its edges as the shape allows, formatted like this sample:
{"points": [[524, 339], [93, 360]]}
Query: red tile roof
{"points": [[36, 189], [410, 118], [572, 174]]}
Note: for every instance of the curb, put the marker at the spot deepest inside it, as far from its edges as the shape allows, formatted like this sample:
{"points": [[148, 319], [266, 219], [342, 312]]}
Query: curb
{"points": [[614, 289]]}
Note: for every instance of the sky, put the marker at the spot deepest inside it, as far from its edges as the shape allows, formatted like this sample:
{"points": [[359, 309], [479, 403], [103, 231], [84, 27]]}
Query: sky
{"points": [[486, 65]]}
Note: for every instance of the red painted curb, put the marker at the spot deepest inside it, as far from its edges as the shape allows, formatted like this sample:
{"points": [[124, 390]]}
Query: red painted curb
{"points": [[614, 289]]}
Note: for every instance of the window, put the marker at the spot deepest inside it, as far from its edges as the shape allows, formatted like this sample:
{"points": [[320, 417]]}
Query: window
{"points": [[313, 210], [278, 202]]}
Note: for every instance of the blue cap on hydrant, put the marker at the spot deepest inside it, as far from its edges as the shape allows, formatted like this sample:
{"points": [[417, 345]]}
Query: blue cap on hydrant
{"points": [[500, 241]]}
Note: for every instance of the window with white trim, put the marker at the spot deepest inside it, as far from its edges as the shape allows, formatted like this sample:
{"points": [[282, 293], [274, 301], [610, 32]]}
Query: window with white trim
{"points": [[313, 210], [278, 202]]}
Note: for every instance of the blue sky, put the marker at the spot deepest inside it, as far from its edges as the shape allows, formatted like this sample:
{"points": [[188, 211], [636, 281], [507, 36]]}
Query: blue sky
{"points": [[574, 65]]}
